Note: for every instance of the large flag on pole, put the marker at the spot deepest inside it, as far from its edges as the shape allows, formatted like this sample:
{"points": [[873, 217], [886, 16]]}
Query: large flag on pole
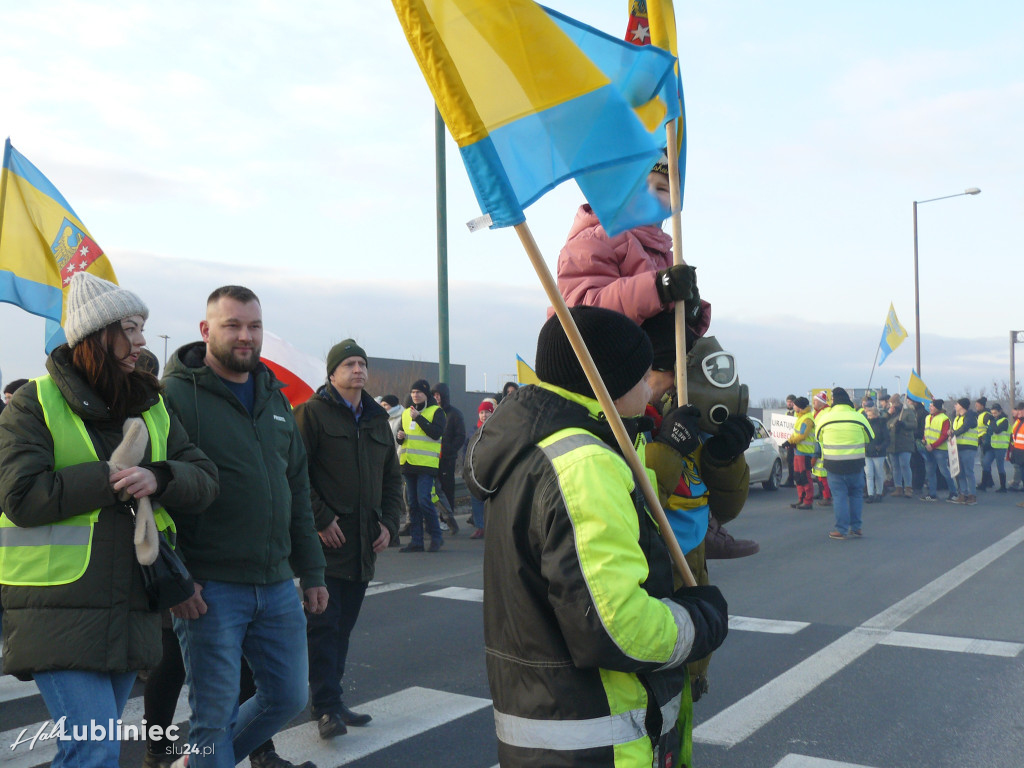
{"points": [[533, 98], [42, 244], [916, 389], [300, 373], [653, 22], [892, 335]]}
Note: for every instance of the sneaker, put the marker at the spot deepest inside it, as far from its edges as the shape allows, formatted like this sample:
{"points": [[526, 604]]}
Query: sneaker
{"points": [[330, 725], [869, 499], [958, 498], [897, 492], [836, 536], [908, 492], [856, 534], [719, 544], [404, 530], [270, 759], [444, 527], [410, 547], [435, 546], [928, 497], [805, 506], [477, 534], [971, 499], [825, 502]]}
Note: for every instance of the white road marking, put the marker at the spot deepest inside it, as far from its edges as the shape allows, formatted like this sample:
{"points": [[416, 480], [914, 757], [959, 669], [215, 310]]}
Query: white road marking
{"points": [[770, 626], [397, 717], [458, 593], [742, 719], [377, 587], [802, 761], [12, 688], [955, 644]]}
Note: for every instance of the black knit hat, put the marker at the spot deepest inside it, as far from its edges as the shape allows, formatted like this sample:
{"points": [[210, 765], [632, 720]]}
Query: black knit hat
{"points": [[621, 351], [996, 407], [964, 403], [423, 386], [341, 352], [841, 397], [938, 402], [801, 402]]}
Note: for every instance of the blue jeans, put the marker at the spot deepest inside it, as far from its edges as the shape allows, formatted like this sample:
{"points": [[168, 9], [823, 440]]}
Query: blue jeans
{"points": [[965, 480], [85, 699], [901, 474], [874, 468], [996, 456], [265, 622], [421, 508], [847, 500], [327, 636], [937, 460], [478, 511]]}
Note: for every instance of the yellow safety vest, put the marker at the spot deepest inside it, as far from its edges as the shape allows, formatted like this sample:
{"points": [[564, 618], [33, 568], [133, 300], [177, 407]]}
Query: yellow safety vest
{"points": [[843, 434], [1001, 440], [417, 449], [49, 555], [933, 430], [968, 439], [808, 446], [983, 420]]}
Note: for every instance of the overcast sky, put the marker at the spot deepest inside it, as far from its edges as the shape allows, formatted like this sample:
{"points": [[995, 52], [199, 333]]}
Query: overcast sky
{"points": [[290, 147]]}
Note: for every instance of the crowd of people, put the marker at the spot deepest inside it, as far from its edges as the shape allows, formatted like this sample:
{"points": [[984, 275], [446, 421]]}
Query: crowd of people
{"points": [[897, 444]]}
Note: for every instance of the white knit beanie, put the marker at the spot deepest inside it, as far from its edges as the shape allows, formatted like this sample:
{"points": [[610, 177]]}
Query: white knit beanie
{"points": [[95, 303]]}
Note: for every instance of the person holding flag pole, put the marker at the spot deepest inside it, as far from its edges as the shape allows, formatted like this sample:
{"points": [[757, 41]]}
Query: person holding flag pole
{"points": [[520, 133]]}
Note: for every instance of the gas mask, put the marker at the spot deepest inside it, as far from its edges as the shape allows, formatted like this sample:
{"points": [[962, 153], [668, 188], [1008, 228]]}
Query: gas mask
{"points": [[713, 385]]}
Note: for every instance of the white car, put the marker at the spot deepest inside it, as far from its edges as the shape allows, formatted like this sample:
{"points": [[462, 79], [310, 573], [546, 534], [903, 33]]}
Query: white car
{"points": [[764, 458]]}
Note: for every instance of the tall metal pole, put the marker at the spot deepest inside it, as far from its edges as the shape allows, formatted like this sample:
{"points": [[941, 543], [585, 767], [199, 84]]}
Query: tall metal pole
{"points": [[442, 249], [1013, 381], [164, 336], [917, 299]]}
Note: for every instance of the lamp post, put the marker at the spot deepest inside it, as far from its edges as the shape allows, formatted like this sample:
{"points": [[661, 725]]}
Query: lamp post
{"points": [[1016, 337], [917, 290], [899, 386], [165, 337]]}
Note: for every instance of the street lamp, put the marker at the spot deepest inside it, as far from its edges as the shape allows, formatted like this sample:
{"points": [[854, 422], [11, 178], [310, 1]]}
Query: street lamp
{"points": [[917, 291], [1016, 337], [899, 386], [165, 337]]}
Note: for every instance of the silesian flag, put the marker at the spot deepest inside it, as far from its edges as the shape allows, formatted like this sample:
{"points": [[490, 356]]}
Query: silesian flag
{"points": [[654, 22], [524, 373], [533, 98], [42, 244], [916, 390], [892, 335]]}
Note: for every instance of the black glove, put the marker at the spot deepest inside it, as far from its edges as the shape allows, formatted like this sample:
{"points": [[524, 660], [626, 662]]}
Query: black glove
{"points": [[733, 438], [677, 283], [679, 430], [710, 616]]}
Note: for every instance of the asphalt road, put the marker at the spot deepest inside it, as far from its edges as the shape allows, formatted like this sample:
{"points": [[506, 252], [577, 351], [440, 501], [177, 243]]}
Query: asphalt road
{"points": [[898, 650]]}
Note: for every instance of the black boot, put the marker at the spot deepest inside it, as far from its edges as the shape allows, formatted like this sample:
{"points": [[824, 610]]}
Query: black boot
{"points": [[1002, 483]]}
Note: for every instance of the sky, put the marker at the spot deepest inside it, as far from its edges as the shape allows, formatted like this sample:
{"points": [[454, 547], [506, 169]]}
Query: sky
{"points": [[289, 147]]}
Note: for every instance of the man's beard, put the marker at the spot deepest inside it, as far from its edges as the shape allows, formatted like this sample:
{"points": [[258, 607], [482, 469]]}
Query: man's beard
{"points": [[229, 360]]}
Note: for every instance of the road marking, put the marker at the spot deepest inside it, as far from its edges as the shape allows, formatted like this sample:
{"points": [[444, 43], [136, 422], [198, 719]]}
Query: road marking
{"points": [[742, 719], [802, 761], [770, 626], [955, 644], [397, 717], [458, 593], [12, 688], [44, 751], [377, 587]]}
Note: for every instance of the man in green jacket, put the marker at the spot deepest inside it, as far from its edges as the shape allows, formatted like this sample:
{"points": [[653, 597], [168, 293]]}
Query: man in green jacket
{"points": [[244, 550], [356, 488]]}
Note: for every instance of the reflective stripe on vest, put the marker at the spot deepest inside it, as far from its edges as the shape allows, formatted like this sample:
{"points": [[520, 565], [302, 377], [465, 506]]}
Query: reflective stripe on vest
{"points": [[842, 439], [968, 439], [1001, 440], [808, 446], [933, 429], [49, 555], [564, 735], [418, 449]]}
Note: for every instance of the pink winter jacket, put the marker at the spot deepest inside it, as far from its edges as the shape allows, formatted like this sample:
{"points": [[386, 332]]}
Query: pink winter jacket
{"points": [[617, 273]]}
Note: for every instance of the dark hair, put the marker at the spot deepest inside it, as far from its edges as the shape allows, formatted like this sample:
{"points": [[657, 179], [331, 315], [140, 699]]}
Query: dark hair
{"points": [[509, 386], [237, 292], [98, 363], [791, 397], [14, 386]]}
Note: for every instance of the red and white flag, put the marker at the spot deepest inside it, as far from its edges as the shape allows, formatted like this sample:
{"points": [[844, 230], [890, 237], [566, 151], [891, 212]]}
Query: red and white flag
{"points": [[301, 374]]}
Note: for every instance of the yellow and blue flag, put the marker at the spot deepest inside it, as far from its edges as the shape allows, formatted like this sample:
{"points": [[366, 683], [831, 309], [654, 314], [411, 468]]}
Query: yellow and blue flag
{"points": [[892, 335], [533, 98], [653, 22], [524, 373], [42, 244], [916, 389]]}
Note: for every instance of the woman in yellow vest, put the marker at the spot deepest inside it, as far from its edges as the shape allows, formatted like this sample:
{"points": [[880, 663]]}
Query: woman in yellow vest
{"points": [[76, 615]]}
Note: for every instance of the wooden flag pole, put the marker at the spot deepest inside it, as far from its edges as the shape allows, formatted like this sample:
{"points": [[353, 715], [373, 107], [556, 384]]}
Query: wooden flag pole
{"points": [[607, 405], [672, 145]]}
